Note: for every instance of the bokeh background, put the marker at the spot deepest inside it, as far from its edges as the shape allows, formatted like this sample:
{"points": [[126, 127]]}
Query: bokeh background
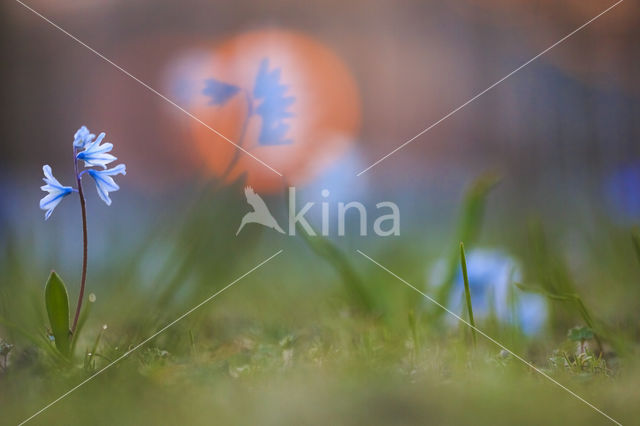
{"points": [[363, 76], [565, 124]]}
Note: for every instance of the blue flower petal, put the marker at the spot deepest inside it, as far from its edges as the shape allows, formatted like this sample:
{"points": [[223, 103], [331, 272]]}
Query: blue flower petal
{"points": [[219, 92], [56, 192], [83, 137], [95, 154], [274, 108], [105, 183]]}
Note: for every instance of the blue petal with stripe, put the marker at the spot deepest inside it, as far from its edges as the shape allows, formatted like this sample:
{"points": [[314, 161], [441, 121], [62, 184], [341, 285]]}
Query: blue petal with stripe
{"points": [[105, 183], [56, 192], [96, 154]]}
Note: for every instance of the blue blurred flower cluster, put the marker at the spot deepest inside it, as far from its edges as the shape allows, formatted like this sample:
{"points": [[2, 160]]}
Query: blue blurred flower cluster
{"points": [[491, 277], [218, 91], [274, 103], [90, 149], [274, 108]]}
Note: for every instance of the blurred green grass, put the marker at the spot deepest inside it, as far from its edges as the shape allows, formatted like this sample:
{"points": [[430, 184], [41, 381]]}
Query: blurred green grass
{"points": [[319, 336]]}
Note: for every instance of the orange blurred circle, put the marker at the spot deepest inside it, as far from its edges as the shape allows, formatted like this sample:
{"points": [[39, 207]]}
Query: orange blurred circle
{"points": [[284, 97]]}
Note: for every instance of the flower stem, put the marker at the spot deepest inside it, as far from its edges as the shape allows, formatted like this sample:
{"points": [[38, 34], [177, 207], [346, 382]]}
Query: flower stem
{"points": [[83, 208], [243, 132]]}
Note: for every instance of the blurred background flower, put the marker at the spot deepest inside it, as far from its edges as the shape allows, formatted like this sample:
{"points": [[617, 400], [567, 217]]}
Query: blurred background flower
{"points": [[492, 274], [303, 108], [622, 192]]}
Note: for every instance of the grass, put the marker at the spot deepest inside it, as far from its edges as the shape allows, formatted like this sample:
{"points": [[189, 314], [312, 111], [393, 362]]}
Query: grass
{"points": [[317, 336], [467, 293]]}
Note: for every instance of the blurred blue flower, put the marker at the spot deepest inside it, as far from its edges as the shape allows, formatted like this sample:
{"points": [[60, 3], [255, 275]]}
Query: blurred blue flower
{"points": [[96, 154], [218, 91], [83, 137], [491, 277], [622, 191], [274, 106], [56, 191], [104, 181]]}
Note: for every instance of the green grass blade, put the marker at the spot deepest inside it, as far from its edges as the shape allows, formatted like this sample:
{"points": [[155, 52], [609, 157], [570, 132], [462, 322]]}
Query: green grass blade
{"points": [[529, 289], [580, 306], [474, 205], [469, 224], [57, 303], [467, 292], [40, 341], [84, 314], [92, 353]]}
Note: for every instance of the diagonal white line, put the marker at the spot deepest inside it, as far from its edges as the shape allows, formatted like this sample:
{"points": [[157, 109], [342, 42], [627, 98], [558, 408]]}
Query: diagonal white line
{"points": [[458, 317], [127, 353], [146, 86], [490, 87]]}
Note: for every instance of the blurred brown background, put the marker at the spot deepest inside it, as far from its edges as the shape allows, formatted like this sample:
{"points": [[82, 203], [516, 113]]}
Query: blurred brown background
{"points": [[570, 116]]}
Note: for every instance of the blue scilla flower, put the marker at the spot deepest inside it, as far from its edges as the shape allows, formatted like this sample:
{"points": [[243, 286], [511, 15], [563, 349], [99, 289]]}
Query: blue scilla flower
{"points": [[56, 192], [96, 155], [83, 137], [104, 181], [491, 277]]}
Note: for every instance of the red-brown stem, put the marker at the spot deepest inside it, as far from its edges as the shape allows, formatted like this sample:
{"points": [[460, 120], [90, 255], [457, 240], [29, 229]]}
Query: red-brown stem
{"points": [[83, 207]]}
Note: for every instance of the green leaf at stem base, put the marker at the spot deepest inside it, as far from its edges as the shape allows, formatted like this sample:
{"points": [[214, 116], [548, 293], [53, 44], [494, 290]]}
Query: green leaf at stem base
{"points": [[57, 303]]}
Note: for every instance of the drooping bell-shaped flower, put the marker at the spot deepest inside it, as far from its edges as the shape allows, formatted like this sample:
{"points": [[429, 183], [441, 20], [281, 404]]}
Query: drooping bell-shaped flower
{"points": [[56, 191], [83, 137], [104, 181], [96, 154]]}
